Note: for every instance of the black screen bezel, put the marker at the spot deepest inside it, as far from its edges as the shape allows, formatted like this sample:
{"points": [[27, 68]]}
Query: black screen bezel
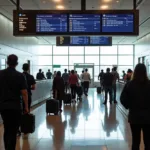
{"points": [[36, 12]]}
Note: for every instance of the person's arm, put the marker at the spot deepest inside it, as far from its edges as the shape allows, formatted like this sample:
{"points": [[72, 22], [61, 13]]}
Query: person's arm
{"points": [[25, 99], [33, 83], [24, 93], [124, 98]]}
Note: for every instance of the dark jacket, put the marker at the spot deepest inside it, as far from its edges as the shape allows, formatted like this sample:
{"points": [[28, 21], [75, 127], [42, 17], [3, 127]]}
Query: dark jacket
{"points": [[136, 97], [108, 80], [59, 86]]}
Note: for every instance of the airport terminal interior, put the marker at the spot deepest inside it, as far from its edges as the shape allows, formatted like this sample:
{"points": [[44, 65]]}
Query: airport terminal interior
{"points": [[87, 124]]}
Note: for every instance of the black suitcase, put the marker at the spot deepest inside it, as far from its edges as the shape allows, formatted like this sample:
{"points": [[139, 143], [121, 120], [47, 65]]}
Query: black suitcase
{"points": [[67, 99], [52, 106], [79, 93], [28, 123], [99, 90]]}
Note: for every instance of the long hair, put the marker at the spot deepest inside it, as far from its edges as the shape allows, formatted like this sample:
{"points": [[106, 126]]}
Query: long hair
{"points": [[140, 73]]}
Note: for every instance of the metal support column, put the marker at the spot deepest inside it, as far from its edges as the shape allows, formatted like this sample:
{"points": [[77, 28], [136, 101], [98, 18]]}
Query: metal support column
{"points": [[18, 4], [134, 4], [83, 5]]}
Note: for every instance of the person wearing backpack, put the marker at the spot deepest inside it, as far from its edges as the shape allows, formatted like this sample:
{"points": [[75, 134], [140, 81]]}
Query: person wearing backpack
{"points": [[65, 77], [114, 86]]}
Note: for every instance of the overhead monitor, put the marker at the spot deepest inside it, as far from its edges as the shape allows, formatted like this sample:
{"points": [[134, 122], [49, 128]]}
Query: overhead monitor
{"points": [[75, 23], [83, 41]]}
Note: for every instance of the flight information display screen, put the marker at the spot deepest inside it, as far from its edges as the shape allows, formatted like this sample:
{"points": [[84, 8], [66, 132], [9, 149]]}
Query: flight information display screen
{"points": [[51, 23], [118, 23], [75, 23], [83, 41], [79, 40], [84, 22]]}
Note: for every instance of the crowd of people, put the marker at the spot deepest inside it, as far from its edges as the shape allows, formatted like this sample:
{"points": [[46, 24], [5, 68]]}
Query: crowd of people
{"points": [[16, 96]]}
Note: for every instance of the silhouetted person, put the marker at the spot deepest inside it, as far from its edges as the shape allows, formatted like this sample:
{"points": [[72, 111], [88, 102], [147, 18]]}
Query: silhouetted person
{"points": [[81, 79], [13, 87], [65, 77], [73, 81], [114, 86], [30, 83], [136, 97], [108, 81], [124, 74], [39, 75], [87, 80], [49, 74], [101, 78], [58, 88]]}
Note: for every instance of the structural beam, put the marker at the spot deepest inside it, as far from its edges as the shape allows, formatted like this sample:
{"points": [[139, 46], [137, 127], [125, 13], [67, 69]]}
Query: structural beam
{"points": [[83, 5], [18, 4], [134, 4]]}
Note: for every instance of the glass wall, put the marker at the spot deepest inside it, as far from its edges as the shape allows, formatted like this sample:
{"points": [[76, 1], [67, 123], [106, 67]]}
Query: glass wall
{"points": [[102, 57]]}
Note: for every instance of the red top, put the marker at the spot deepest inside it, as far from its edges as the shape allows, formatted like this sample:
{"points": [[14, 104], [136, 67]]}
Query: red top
{"points": [[73, 79]]}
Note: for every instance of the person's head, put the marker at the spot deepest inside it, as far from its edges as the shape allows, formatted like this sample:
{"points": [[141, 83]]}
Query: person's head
{"points": [[76, 72], [112, 69], [72, 71], [129, 71], [115, 68], [86, 70], [69, 71], [40, 70], [65, 70], [58, 74], [140, 73], [12, 60], [102, 70], [25, 67], [55, 72], [48, 70], [83, 71], [108, 70], [123, 71]]}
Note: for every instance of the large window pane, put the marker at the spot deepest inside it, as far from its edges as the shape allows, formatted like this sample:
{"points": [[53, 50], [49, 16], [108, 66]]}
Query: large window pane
{"points": [[61, 69], [76, 50], [125, 49], [96, 71], [92, 59], [92, 50], [125, 60], [108, 60], [108, 50], [60, 50], [60, 60], [42, 60], [76, 60], [43, 50]]}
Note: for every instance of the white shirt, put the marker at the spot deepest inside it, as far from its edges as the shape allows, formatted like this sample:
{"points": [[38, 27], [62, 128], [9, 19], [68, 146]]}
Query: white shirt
{"points": [[86, 77]]}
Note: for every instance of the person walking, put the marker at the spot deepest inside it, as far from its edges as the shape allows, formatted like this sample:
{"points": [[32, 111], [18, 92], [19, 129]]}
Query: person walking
{"points": [[87, 80], [114, 86], [101, 78], [13, 87], [30, 83], [108, 81], [73, 81], [81, 79], [49, 74], [39, 75], [58, 89], [136, 98], [65, 77]]}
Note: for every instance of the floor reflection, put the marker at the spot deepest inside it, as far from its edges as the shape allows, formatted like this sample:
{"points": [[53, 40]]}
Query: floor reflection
{"points": [[86, 123]]}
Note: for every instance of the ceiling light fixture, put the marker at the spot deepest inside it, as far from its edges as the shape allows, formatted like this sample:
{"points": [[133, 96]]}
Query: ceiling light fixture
{"points": [[104, 7], [107, 0], [60, 7], [56, 0]]}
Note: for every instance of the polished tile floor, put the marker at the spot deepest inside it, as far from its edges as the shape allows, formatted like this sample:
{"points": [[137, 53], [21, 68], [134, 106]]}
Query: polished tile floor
{"points": [[87, 125]]}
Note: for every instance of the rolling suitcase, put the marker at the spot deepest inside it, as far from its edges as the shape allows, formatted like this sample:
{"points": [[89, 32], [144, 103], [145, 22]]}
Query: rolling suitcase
{"points": [[52, 106], [99, 90], [79, 92], [67, 99], [28, 123]]}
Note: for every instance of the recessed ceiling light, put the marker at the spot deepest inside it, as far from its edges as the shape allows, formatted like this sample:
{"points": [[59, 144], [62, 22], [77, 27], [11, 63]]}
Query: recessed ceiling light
{"points": [[44, 2], [104, 7], [107, 0], [56, 0], [60, 7], [117, 1]]}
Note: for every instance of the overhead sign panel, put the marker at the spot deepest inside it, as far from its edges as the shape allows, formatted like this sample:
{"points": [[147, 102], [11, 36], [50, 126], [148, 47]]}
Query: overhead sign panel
{"points": [[84, 41], [72, 23]]}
